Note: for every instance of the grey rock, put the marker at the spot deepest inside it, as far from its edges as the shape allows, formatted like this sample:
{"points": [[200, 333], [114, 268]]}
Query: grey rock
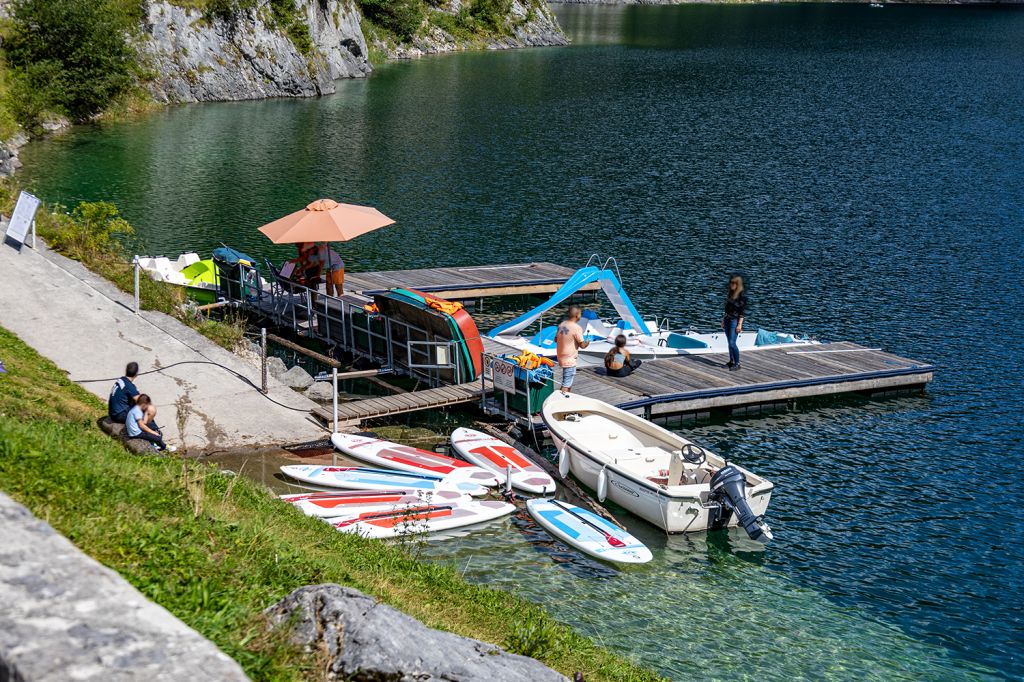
{"points": [[9, 161], [321, 391], [198, 58], [276, 367], [137, 446], [296, 378], [366, 640], [63, 616], [111, 428]]}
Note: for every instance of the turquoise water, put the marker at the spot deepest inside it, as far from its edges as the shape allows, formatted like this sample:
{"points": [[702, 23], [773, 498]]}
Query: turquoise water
{"points": [[863, 167]]}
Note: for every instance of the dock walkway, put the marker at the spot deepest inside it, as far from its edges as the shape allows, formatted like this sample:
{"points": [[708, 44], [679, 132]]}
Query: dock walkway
{"points": [[86, 326], [353, 412], [692, 383], [476, 281]]}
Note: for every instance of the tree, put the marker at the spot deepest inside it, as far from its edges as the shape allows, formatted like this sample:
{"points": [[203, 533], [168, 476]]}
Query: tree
{"points": [[73, 56]]}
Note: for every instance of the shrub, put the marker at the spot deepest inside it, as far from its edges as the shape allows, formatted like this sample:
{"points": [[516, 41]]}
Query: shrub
{"points": [[70, 56], [92, 229], [400, 17], [491, 14]]}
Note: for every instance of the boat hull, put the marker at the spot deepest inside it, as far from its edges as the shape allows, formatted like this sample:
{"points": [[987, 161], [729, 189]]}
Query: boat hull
{"points": [[671, 513], [643, 492]]}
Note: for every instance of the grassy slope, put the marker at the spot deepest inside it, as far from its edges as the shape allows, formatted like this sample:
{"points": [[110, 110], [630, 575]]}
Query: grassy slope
{"points": [[215, 550]]}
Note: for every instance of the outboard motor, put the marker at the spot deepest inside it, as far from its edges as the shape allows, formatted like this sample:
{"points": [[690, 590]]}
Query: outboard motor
{"points": [[729, 489]]}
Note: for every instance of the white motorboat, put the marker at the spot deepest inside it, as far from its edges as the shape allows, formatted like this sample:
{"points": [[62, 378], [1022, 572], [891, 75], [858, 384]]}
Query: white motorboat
{"points": [[658, 475], [645, 338]]}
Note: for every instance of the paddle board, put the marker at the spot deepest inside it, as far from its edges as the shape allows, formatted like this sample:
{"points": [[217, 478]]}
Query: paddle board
{"points": [[427, 518], [495, 455], [390, 455], [358, 478], [586, 531], [353, 501]]}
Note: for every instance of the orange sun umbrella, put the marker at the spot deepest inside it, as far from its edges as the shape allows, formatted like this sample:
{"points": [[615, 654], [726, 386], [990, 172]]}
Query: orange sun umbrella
{"points": [[325, 221]]}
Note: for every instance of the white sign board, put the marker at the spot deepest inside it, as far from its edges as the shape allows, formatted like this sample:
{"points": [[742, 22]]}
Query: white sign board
{"points": [[21, 220], [504, 376]]}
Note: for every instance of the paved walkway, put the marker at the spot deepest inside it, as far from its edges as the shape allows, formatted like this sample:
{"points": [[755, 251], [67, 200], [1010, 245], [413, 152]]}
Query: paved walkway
{"points": [[86, 326]]}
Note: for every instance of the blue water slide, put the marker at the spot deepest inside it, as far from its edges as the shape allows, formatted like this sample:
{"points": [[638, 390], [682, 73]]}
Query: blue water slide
{"points": [[579, 279]]}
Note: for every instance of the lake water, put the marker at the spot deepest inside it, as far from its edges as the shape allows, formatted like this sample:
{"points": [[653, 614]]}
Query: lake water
{"points": [[862, 166]]}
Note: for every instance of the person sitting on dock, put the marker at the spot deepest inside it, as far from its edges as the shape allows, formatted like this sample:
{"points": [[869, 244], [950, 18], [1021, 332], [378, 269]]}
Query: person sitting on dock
{"points": [[141, 424], [617, 361], [123, 394], [568, 341]]}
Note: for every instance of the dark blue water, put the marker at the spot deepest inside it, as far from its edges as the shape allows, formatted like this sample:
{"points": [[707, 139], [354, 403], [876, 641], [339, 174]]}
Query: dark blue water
{"points": [[863, 167]]}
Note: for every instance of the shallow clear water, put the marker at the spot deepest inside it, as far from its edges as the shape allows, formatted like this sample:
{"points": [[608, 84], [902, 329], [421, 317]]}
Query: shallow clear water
{"points": [[863, 167]]}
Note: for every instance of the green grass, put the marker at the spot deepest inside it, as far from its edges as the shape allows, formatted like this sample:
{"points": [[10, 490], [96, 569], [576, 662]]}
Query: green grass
{"points": [[216, 550]]}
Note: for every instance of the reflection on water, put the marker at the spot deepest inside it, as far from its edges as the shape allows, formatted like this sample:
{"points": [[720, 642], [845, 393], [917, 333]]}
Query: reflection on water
{"points": [[863, 168]]}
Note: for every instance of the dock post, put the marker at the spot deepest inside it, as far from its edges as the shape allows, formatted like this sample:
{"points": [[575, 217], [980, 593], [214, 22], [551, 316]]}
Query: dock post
{"points": [[135, 265], [334, 384], [263, 360]]}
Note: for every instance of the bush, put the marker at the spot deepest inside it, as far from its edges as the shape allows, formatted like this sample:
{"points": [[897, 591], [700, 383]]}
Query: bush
{"points": [[92, 229], [400, 17], [491, 14], [70, 57]]}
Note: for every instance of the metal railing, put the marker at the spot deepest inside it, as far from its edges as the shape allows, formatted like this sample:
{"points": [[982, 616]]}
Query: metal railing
{"points": [[345, 323], [517, 405]]}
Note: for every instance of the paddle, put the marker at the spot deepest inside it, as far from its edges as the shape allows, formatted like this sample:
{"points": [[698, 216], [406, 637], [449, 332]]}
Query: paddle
{"points": [[612, 540]]}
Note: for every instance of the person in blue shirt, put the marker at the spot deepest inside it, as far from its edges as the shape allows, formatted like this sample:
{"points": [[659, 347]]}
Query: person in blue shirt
{"points": [[123, 394], [141, 424]]}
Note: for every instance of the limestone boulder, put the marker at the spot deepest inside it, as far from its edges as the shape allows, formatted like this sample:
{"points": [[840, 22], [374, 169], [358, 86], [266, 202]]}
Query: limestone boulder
{"points": [[363, 639], [321, 392], [276, 367], [296, 378]]}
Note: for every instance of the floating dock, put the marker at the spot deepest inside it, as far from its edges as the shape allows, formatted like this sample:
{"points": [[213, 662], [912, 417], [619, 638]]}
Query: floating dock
{"points": [[699, 383], [685, 384], [477, 281]]}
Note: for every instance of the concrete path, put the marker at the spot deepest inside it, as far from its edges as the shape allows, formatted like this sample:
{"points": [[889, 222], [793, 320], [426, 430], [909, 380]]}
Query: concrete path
{"points": [[64, 616], [85, 325]]}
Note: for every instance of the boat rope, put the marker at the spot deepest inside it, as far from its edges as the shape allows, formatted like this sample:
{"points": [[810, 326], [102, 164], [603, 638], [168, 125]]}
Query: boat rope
{"points": [[239, 376]]}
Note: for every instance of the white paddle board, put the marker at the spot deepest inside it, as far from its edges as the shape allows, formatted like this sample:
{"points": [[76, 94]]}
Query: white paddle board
{"points": [[586, 531], [358, 478], [330, 504], [390, 455], [495, 455], [426, 518]]}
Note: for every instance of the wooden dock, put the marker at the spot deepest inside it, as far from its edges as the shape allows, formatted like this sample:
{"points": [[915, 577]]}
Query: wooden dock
{"points": [[468, 282], [354, 412], [698, 383]]}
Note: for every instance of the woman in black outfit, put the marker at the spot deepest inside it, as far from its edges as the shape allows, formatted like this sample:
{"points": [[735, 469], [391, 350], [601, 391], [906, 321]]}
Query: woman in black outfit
{"points": [[732, 323]]}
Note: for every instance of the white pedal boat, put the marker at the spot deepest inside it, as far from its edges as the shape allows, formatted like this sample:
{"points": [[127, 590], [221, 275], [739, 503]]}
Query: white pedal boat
{"points": [[390, 455], [331, 504], [645, 338], [360, 478], [498, 457], [650, 471], [591, 534], [426, 518]]}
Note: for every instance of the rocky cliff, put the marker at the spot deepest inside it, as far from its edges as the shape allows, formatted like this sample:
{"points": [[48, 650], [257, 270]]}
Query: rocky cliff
{"points": [[246, 56], [529, 23]]}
